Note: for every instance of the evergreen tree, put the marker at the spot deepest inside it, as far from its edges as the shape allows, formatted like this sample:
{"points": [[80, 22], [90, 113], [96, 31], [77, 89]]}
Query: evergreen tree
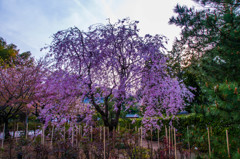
{"points": [[210, 45]]}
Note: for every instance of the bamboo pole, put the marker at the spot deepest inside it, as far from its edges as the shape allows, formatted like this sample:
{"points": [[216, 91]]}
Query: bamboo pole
{"points": [[211, 131], [14, 130], [104, 148], [151, 137], [64, 132], [227, 144], [158, 138], [100, 131], [3, 135], [72, 135], [141, 137], [34, 128], [189, 149], [17, 133], [172, 136], [52, 136], [166, 136], [108, 133], [209, 143], [91, 133], [79, 135], [26, 130], [80, 130], [169, 140], [43, 134], [76, 134], [175, 143]]}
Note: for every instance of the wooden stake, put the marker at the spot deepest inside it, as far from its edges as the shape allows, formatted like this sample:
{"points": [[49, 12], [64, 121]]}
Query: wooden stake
{"points": [[64, 132], [188, 142], [151, 137], [108, 133], [104, 148], [158, 138], [141, 136], [100, 130], [79, 138], [209, 143], [227, 144], [52, 135], [169, 141], [72, 135], [175, 143], [17, 133], [76, 132], [172, 136], [26, 130], [80, 130], [14, 130], [166, 136], [114, 131], [91, 133], [34, 128], [3, 135], [211, 130], [43, 134]]}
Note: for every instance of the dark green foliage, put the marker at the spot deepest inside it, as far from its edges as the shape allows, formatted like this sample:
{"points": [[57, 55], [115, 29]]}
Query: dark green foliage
{"points": [[209, 52], [210, 39]]}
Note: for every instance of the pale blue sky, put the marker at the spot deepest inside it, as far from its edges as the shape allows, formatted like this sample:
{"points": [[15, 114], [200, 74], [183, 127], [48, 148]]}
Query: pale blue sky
{"points": [[30, 23]]}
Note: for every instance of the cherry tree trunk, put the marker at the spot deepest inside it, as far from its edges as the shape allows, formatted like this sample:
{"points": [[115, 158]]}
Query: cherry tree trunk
{"points": [[6, 130]]}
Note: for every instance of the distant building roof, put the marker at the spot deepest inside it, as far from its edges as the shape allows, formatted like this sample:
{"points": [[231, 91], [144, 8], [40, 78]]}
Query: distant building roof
{"points": [[132, 116]]}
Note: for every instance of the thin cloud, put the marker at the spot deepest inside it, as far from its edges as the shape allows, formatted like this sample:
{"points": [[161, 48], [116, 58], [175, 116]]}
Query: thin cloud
{"points": [[30, 24]]}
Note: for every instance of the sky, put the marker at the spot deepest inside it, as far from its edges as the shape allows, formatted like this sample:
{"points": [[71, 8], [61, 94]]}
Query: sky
{"points": [[30, 24]]}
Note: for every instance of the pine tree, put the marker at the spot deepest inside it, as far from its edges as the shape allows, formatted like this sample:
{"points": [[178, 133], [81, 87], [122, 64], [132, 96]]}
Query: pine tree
{"points": [[210, 42]]}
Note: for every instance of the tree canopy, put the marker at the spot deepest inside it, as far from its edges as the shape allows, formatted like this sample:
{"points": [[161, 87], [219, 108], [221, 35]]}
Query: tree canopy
{"points": [[114, 63], [9, 54], [209, 50], [18, 85]]}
